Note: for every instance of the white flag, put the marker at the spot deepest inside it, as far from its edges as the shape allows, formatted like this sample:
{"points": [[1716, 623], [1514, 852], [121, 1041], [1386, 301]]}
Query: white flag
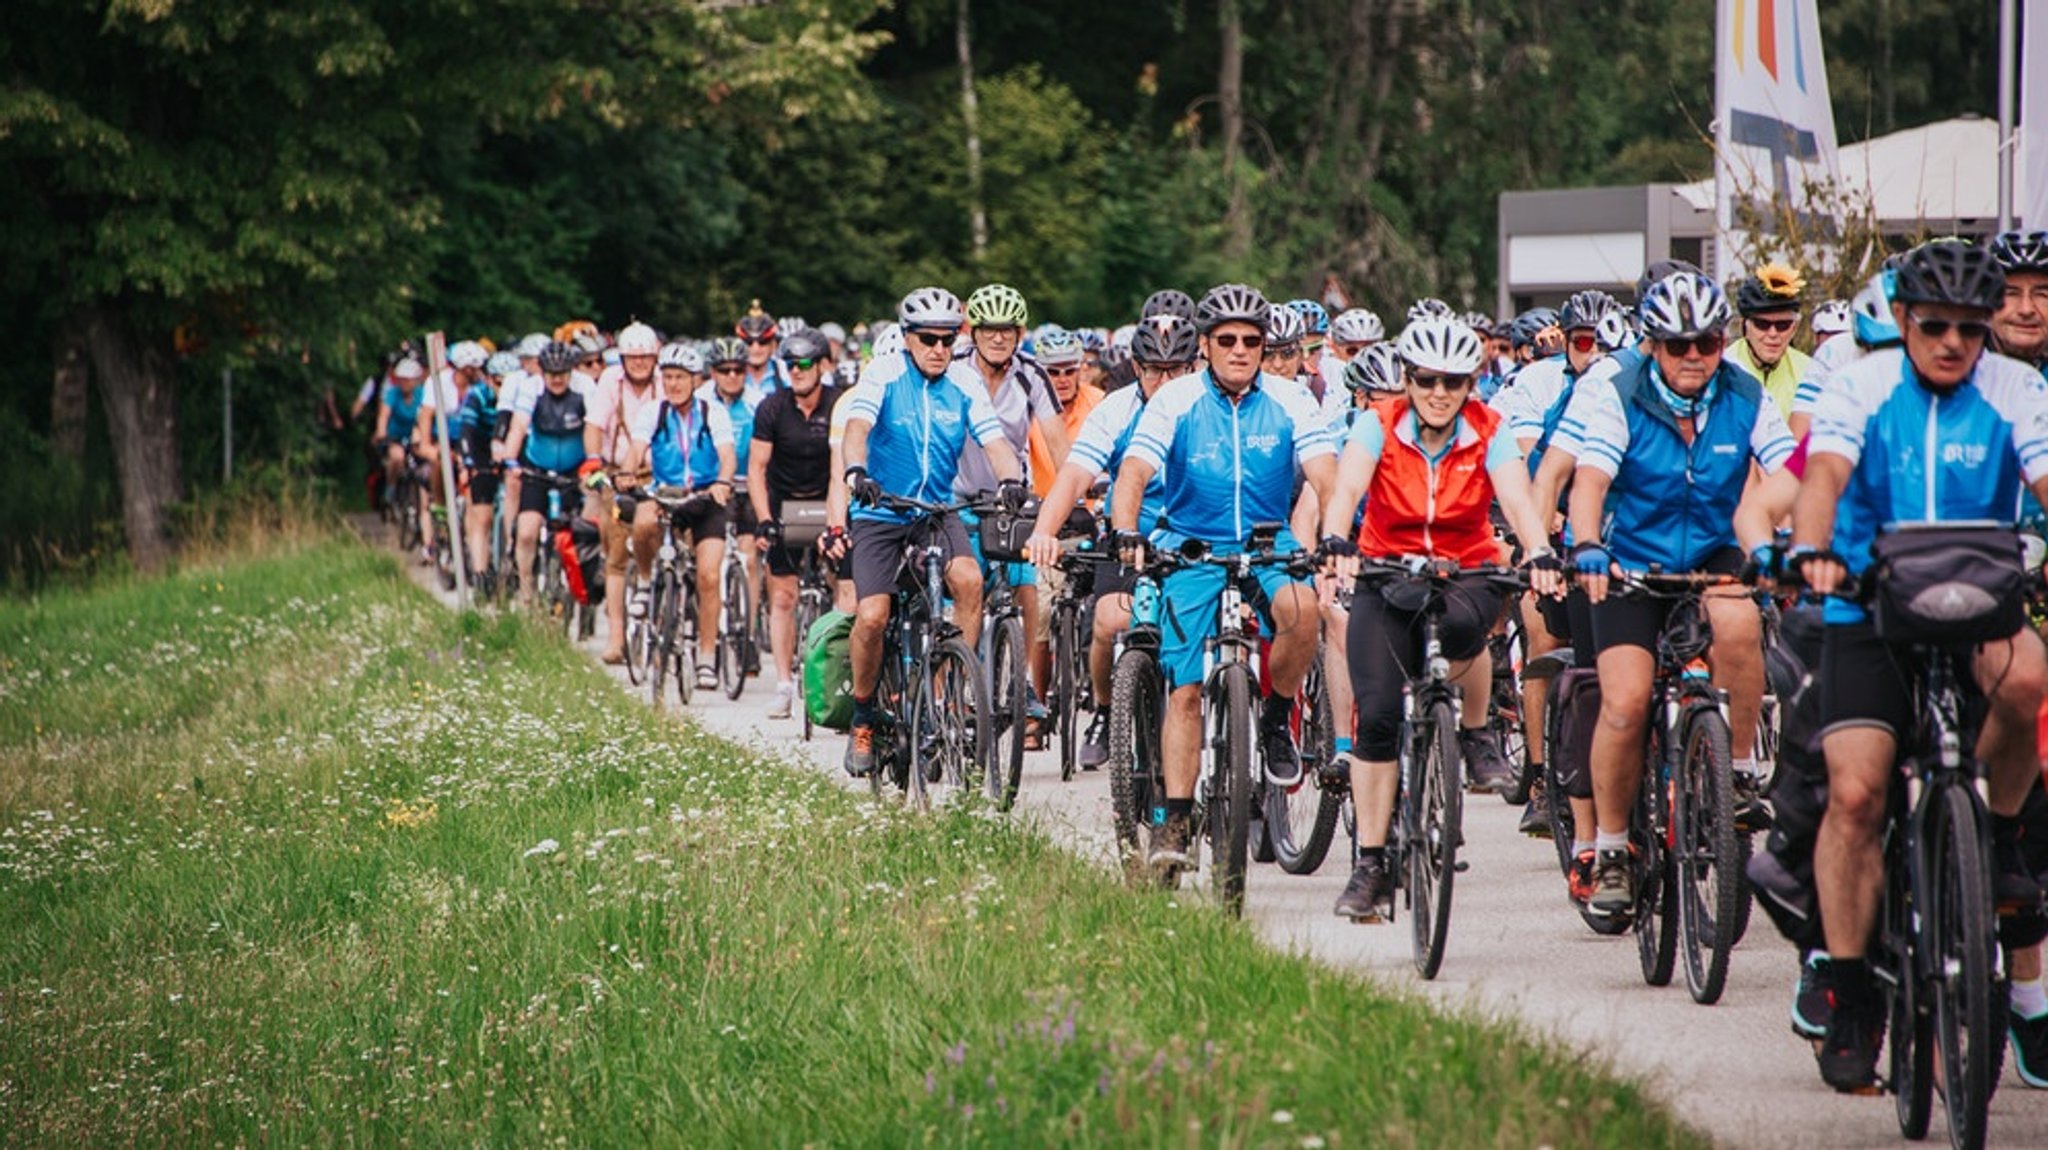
{"points": [[2033, 157], [1774, 130]]}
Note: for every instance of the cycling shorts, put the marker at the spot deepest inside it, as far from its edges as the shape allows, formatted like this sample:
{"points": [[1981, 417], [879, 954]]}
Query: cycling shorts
{"points": [[1867, 682], [1384, 648], [1187, 622], [533, 496], [1636, 621], [878, 550], [483, 486], [1570, 621], [703, 519]]}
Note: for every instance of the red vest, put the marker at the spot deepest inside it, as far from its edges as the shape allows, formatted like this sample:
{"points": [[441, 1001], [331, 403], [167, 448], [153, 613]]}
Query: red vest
{"points": [[1438, 510]]}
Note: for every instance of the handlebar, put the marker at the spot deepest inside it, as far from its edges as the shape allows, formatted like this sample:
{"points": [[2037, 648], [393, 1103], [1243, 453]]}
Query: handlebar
{"points": [[1438, 573]]}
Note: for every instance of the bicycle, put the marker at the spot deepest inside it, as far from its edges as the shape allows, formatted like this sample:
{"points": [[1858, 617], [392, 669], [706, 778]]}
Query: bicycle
{"points": [[670, 629], [1298, 823], [551, 585], [803, 531], [1429, 797], [931, 707], [735, 618], [1002, 645], [1070, 689]]}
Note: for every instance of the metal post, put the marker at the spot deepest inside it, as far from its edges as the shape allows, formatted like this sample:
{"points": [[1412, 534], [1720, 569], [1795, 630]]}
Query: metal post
{"points": [[2008, 41], [227, 424], [458, 534]]}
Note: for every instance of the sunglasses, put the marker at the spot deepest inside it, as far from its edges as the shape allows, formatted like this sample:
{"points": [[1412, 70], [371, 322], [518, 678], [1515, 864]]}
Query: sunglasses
{"points": [[1283, 351], [1708, 344], [1969, 329], [1062, 372], [760, 340], [802, 364], [727, 369], [1448, 384], [1781, 324], [932, 338], [1582, 341], [1228, 342]]}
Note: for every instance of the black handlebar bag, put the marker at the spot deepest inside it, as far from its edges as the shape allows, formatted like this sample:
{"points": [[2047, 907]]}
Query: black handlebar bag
{"points": [[1948, 584]]}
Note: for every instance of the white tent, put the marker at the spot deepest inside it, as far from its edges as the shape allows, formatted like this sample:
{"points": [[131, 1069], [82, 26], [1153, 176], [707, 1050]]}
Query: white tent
{"points": [[1933, 178]]}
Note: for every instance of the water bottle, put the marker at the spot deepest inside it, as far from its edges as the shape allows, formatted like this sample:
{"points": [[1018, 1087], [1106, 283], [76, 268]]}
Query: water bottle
{"points": [[1145, 604], [554, 503]]}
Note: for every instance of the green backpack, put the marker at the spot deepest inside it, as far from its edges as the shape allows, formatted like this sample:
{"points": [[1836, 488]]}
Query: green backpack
{"points": [[828, 671]]}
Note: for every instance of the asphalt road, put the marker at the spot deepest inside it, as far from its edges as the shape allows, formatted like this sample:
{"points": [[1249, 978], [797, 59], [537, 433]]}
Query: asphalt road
{"points": [[1516, 951]]}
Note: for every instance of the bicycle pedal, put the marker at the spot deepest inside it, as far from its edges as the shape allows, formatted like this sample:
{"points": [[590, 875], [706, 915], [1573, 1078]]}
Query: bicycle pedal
{"points": [[1461, 867]]}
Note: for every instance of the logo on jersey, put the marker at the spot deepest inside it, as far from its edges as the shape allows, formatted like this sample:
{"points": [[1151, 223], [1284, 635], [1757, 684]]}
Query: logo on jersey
{"points": [[1966, 454], [1262, 441]]}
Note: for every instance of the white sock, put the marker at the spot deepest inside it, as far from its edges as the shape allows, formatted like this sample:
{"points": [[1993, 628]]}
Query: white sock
{"points": [[1579, 848], [1746, 767], [2030, 999], [1602, 841]]}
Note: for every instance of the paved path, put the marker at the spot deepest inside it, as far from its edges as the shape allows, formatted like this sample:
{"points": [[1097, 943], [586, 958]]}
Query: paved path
{"points": [[1517, 951]]}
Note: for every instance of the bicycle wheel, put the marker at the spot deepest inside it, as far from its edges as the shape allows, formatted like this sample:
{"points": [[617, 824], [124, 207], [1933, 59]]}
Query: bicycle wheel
{"points": [[637, 632], [1656, 915], [683, 651], [1065, 703], [1563, 824], [1707, 854], [407, 502], [806, 614], [948, 721], [1229, 806], [1007, 709], [1956, 940], [1435, 821], [734, 621], [1136, 784], [1302, 819], [892, 754], [661, 637], [1909, 1025]]}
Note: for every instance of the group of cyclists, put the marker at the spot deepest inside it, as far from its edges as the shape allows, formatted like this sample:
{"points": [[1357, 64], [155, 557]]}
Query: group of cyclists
{"points": [[1459, 502]]}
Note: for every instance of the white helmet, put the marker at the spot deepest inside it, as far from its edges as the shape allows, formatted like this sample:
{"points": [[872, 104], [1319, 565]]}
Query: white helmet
{"points": [[1832, 318], [408, 368], [931, 307], [468, 353], [1684, 304], [1377, 368], [890, 342], [681, 355], [1442, 345], [1284, 327], [1613, 331], [1121, 337], [1429, 307], [529, 347], [637, 338], [1357, 325]]}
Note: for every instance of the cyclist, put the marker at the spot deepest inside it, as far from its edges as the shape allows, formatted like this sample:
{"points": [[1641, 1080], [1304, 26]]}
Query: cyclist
{"points": [[1872, 329], [1768, 301], [621, 392], [2020, 325], [1352, 331], [1164, 347], [1315, 323], [686, 441], [397, 417], [551, 431], [758, 333], [791, 460], [1664, 447], [1167, 301], [473, 434], [1227, 444], [1986, 419], [910, 422], [448, 393], [1429, 468], [1830, 319]]}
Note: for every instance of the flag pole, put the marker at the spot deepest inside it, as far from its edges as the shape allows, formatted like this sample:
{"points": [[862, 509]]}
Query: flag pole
{"points": [[2008, 40], [458, 535]]}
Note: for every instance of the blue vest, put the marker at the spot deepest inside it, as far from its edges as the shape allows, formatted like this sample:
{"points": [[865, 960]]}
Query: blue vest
{"points": [[1673, 505], [682, 454]]}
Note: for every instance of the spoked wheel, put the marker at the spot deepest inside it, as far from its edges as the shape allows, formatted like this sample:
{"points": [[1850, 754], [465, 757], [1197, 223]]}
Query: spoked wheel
{"points": [[659, 633], [735, 621], [1656, 914], [1067, 672], [639, 635], [1229, 806], [892, 751], [1909, 1024], [1301, 820], [683, 649], [1708, 855], [1435, 817], [1563, 825], [406, 504], [949, 722], [1008, 709], [1136, 781], [1957, 937]]}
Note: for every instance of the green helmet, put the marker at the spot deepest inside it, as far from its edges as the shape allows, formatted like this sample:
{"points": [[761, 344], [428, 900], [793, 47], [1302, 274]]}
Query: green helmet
{"points": [[997, 305]]}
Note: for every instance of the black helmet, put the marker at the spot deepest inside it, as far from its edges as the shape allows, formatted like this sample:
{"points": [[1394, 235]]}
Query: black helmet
{"points": [[805, 343], [1585, 308], [1169, 301], [2021, 251], [1165, 338], [1662, 269], [1950, 272], [558, 357], [1231, 303], [1773, 287], [1523, 329]]}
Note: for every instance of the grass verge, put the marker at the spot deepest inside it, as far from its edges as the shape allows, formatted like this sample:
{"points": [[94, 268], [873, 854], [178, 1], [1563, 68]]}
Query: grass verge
{"points": [[289, 854]]}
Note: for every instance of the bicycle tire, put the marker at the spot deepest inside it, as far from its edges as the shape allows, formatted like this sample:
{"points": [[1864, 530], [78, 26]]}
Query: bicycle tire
{"points": [[733, 624], [1958, 934], [684, 657], [1301, 820], [1066, 694], [661, 618], [1136, 780], [1708, 854], [806, 614], [637, 631], [407, 502], [1656, 914], [892, 755], [1436, 808], [1008, 703], [1229, 806], [1909, 1024], [1563, 824], [948, 721]]}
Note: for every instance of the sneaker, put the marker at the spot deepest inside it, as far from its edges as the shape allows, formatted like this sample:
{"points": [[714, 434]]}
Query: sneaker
{"points": [[1848, 1051], [1614, 885], [784, 701], [1579, 883], [1276, 747], [707, 677], [1813, 1002], [1752, 814], [1170, 844], [860, 750], [1487, 771], [2029, 1048], [1369, 896], [1095, 745], [1536, 814]]}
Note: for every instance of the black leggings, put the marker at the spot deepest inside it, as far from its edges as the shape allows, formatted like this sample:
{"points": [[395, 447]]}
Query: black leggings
{"points": [[1385, 647]]}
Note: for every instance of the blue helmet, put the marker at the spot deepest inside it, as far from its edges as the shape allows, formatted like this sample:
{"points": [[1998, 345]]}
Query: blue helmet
{"points": [[1873, 310], [1314, 319]]}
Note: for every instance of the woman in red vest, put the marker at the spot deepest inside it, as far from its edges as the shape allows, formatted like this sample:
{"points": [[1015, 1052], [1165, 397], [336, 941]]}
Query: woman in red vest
{"points": [[1429, 467]]}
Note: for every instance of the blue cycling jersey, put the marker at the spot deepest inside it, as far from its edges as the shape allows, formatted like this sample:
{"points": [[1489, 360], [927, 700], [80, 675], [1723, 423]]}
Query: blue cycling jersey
{"points": [[404, 409], [1924, 457], [683, 451], [1227, 465], [739, 412], [917, 430], [1104, 439]]}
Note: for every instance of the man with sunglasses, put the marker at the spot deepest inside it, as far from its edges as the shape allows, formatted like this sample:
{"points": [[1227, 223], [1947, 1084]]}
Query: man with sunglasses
{"points": [[1429, 468], [1164, 347], [1228, 444], [1939, 431], [1769, 304], [761, 370], [907, 426], [790, 461], [1664, 448]]}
